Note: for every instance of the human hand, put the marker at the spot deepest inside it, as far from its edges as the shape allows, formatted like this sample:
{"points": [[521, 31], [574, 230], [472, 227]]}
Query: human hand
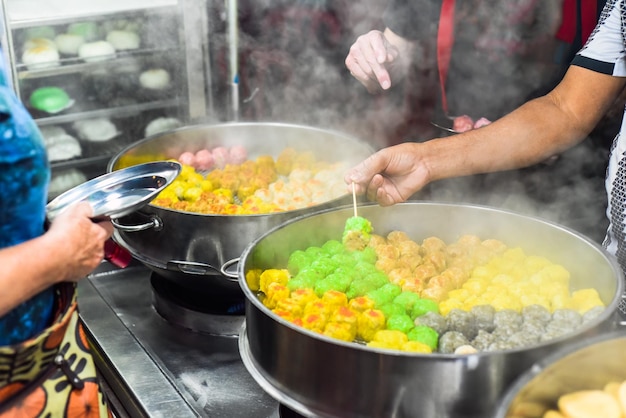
{"points": [[372, 59], [80, 241], [390, 175]]}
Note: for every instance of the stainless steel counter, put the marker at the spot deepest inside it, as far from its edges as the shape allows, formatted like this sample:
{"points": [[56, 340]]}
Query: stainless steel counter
{"points": [[153, 368]]}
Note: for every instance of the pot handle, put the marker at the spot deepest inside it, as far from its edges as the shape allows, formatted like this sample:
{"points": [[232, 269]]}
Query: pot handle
{"points": [[229, 274], [191, 267], [154, 222]]}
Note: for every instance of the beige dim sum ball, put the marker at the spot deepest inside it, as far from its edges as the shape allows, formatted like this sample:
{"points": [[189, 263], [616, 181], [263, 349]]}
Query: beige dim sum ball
{"points": [[155, 79], [96, 51]]}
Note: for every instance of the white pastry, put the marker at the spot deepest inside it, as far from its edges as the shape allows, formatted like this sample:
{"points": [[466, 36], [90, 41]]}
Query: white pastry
{"points": [[123, 40], [96, 51], [69, 43], [35, 42], [96, 130], [40, 57], [62, 147], [155, 79], [64, 180], [159, 125]]}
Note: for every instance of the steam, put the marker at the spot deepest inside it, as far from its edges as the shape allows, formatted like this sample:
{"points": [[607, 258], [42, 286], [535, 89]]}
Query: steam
{"points": [[291, 69]]}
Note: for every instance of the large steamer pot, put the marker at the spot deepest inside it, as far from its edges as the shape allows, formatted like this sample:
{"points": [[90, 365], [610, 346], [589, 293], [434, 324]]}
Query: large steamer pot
{"points": [[200, 251], [587, 365], [321, 377]]}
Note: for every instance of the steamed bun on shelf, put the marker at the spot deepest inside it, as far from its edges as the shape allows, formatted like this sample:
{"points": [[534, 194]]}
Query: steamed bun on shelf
{"points": [[69, 43], [162, 124], [96, 129], [96, 51], [64, 180], [155, 79], [35, 42], [50, 99], [40, 54], [62, 147], [123, 40]]}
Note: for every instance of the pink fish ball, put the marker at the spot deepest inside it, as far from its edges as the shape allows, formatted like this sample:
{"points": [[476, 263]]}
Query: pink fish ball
{"points": [[220, 156], [238, 154], [463, 123], [481, 122], [204, 160], [187, 158]]}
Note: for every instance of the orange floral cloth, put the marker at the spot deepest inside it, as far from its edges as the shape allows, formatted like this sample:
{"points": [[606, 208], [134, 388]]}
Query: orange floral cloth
{"points": [[52, 374]]}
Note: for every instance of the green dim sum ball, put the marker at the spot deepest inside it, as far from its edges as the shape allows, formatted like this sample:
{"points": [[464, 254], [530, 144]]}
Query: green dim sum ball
{"points": [[333, 247], [401, 322], [361, 270], [331, 282], [425, 335], [324, 265], [344, 260], [384, 294], [392, 309], [308, 278], [423, 306], [368, 255], [407, 300], [314, 252], [376, 279], [359, 287], [297, 261]]}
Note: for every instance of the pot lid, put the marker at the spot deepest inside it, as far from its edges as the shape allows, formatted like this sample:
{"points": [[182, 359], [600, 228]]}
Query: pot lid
{"points": [[120, 192]]}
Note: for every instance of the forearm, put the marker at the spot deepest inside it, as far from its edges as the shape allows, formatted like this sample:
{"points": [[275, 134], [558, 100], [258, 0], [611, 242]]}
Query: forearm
{"points": [[537, 130], [27, 269]]}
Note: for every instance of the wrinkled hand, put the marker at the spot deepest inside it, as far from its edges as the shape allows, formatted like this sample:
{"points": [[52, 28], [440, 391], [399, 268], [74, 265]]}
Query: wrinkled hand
{"points": [[80, 240], [372, 59], [390, 175]]}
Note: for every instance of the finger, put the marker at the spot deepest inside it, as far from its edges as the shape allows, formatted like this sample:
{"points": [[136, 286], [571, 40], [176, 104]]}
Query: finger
{"points": [[368, 62], [363, 172]]}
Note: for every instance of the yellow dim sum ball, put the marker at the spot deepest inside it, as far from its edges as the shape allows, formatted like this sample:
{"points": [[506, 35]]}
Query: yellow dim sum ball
{"points": [[585, 299], [274, 294], [447, 305], [253, 277], [340, 330], [280, 276], [192, 194], [388, 339], [416, 347], [369, 322]]}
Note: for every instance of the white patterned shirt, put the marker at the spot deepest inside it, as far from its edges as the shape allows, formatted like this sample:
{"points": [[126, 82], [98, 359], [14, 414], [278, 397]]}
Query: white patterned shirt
{"points": [[605, 52]]}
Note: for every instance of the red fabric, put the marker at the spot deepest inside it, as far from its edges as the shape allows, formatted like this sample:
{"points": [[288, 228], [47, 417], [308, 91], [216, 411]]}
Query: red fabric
{"points": [[445, 39], [567, 30]]}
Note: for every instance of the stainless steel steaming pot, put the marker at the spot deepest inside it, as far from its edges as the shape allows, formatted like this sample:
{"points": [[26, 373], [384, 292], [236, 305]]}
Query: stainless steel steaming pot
{"points": [[196, 249], [321, 377]]}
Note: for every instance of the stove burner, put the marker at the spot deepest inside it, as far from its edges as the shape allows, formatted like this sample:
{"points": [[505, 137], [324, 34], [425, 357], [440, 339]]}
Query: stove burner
{"points": [[200, 311]]}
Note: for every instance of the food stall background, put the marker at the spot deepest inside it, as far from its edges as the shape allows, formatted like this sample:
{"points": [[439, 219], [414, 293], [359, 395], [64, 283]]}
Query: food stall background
{"points": [[289, 66]]}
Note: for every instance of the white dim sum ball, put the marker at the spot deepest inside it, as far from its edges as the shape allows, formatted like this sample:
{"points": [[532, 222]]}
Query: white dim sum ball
{"points": [[68, 43], [96, 51], [162, 124], [96, 129], [123, 40], [41, 57], [155, 79]]}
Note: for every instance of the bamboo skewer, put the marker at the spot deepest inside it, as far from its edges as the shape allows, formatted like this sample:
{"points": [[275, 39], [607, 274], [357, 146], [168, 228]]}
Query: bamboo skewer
{"points": [[354, 198]]}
